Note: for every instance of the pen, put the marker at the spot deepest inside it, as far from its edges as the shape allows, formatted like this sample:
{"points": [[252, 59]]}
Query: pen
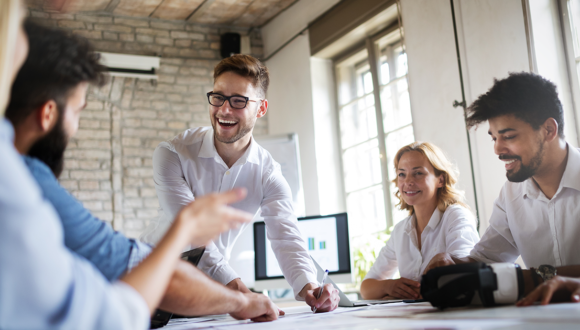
{"points": [[321, 288]]}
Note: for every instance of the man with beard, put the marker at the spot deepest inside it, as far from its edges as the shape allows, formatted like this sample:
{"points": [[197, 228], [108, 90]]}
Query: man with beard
{"points": [[47, 98], [536, 213], [210, 159]]}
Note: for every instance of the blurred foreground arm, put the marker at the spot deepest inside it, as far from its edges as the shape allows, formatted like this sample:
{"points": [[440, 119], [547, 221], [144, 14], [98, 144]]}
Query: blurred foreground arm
{"points": [[197, 224]]}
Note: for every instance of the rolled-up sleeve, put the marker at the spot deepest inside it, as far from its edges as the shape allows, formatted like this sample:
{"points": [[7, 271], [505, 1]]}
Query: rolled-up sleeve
{"points": [[282, 231], [460, 234], [386, 264], [139, 251], [215, 266], [497, 243]]}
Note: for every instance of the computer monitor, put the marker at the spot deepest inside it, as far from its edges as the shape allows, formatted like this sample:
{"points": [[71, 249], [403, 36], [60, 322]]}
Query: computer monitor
{"points": [[327, 241]]}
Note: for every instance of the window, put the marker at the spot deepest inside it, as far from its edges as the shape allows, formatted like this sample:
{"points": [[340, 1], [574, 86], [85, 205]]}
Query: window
{"points": [[375, 122], [574, 10]]}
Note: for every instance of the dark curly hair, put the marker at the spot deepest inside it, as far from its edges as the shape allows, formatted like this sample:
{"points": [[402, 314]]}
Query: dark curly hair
{"points": [[57, 63], [527, 96]]}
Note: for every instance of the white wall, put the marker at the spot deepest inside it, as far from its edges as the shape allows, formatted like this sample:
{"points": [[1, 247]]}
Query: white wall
{"points": [[291, 21], [328, 156], [291, 99], [492, 43], [290, 110], [434, 83]]}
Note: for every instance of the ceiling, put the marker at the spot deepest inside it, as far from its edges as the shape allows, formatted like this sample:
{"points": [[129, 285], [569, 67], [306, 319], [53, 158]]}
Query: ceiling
{"points": [[242, 13]]}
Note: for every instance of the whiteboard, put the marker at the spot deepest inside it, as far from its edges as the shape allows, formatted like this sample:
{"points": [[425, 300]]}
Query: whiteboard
{"points": [[285, 151]]}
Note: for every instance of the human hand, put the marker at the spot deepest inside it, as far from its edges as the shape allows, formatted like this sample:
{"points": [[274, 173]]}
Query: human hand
{"points": [[258, 308], [439, 260], [210, 215], [328, 300], [403, 288], [545, 291]]}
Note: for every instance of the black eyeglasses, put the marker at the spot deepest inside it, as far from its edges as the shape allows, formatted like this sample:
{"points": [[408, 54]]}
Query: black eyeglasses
{"points": [[236, 101]]}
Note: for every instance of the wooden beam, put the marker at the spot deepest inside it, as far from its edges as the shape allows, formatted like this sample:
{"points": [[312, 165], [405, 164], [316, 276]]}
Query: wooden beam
{"points": [[200, 11], [112, 5], [140, 8], [176, 9]]}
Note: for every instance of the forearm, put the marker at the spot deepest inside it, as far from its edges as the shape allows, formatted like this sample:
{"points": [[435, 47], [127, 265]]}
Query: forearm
{"points": [[373, 289], [569, 271], [463, 260], [191, 292], [238, 285], [530, 284], [150, 278]]}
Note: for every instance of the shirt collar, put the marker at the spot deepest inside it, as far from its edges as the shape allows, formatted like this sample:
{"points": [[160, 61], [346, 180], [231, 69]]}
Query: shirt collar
{"points": [[208, 150], [570, 178], [433, 221], [6, 130]]}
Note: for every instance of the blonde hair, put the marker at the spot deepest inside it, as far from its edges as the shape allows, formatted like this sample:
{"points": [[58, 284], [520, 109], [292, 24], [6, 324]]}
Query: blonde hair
{"points": [[446, 195], [9, 23]]}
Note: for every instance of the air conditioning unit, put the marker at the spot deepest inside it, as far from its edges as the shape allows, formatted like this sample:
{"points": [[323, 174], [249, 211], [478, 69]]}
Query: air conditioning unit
{"points": [[132, 66]]}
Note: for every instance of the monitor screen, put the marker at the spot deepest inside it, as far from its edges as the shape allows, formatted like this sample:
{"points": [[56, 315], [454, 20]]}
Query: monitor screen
{"points": [[326, 239]]}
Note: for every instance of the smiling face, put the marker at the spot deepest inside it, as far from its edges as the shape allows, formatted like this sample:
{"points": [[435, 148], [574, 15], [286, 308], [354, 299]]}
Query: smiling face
{"points": [[231, 124], [417, 181], [518, 145]]}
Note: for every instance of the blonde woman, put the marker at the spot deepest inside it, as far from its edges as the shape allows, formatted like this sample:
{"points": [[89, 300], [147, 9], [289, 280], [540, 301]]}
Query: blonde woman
{"points": [[438, 221]]}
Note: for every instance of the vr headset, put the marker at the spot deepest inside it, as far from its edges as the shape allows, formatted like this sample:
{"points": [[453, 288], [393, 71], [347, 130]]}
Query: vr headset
{"points": [[474, 283]]}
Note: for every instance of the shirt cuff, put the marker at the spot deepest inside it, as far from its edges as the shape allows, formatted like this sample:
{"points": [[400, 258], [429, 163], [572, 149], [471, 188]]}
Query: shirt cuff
{"points": [[225, 274], [480, 258], [301, 281], [139, 251], [131, 305]]}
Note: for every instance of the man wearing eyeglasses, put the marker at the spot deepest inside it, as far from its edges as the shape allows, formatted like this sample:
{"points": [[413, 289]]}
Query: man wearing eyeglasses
{"points": [[224, 156]]}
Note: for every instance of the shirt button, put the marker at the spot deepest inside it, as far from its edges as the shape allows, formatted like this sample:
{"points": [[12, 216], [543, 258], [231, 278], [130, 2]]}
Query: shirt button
{"points": [[228, 173]]}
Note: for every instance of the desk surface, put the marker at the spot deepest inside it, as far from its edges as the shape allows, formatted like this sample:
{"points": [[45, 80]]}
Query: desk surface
{"points": [[403, 316]]}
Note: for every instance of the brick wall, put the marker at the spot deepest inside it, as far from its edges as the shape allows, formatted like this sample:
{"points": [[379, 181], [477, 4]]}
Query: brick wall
{"points": [[108, 164]]}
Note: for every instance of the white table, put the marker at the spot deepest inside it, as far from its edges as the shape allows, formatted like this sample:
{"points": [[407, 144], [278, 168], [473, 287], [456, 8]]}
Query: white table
{"points": [[404, 316]]}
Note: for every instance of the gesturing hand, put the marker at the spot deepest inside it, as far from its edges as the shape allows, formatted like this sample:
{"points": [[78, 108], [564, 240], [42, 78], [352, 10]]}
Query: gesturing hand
{"points": [[210, 215], [545, 291], [439, 260], [403, 288]]}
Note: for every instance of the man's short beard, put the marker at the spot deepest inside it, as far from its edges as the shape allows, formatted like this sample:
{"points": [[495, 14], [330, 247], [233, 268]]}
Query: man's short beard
{"points": [[241, 133], [527, 171], [50, 149]]}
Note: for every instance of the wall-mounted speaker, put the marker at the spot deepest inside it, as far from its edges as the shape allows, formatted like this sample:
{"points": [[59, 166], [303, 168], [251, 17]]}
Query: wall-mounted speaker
{"points": [[230, 44]]}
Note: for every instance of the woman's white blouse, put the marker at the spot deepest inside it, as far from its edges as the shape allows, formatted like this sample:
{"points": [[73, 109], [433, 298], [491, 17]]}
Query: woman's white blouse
{"points": [[452, 231]]}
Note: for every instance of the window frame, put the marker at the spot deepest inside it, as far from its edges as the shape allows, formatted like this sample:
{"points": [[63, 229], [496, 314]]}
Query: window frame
{"points": [[571, 60], [373, 57]]}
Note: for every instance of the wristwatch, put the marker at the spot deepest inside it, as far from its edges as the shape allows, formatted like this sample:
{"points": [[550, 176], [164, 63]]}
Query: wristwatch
{"points": [[547, 272]]}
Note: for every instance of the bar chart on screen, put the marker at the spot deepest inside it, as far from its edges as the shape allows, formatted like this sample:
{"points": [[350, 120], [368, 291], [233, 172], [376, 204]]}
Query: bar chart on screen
{"points": [[321, 240]]}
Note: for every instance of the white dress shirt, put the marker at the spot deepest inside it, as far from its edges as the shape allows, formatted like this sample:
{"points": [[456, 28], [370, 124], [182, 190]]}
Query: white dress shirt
{"points": [[452, 231], [524, 222], [43, 285], [188, 166]]}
